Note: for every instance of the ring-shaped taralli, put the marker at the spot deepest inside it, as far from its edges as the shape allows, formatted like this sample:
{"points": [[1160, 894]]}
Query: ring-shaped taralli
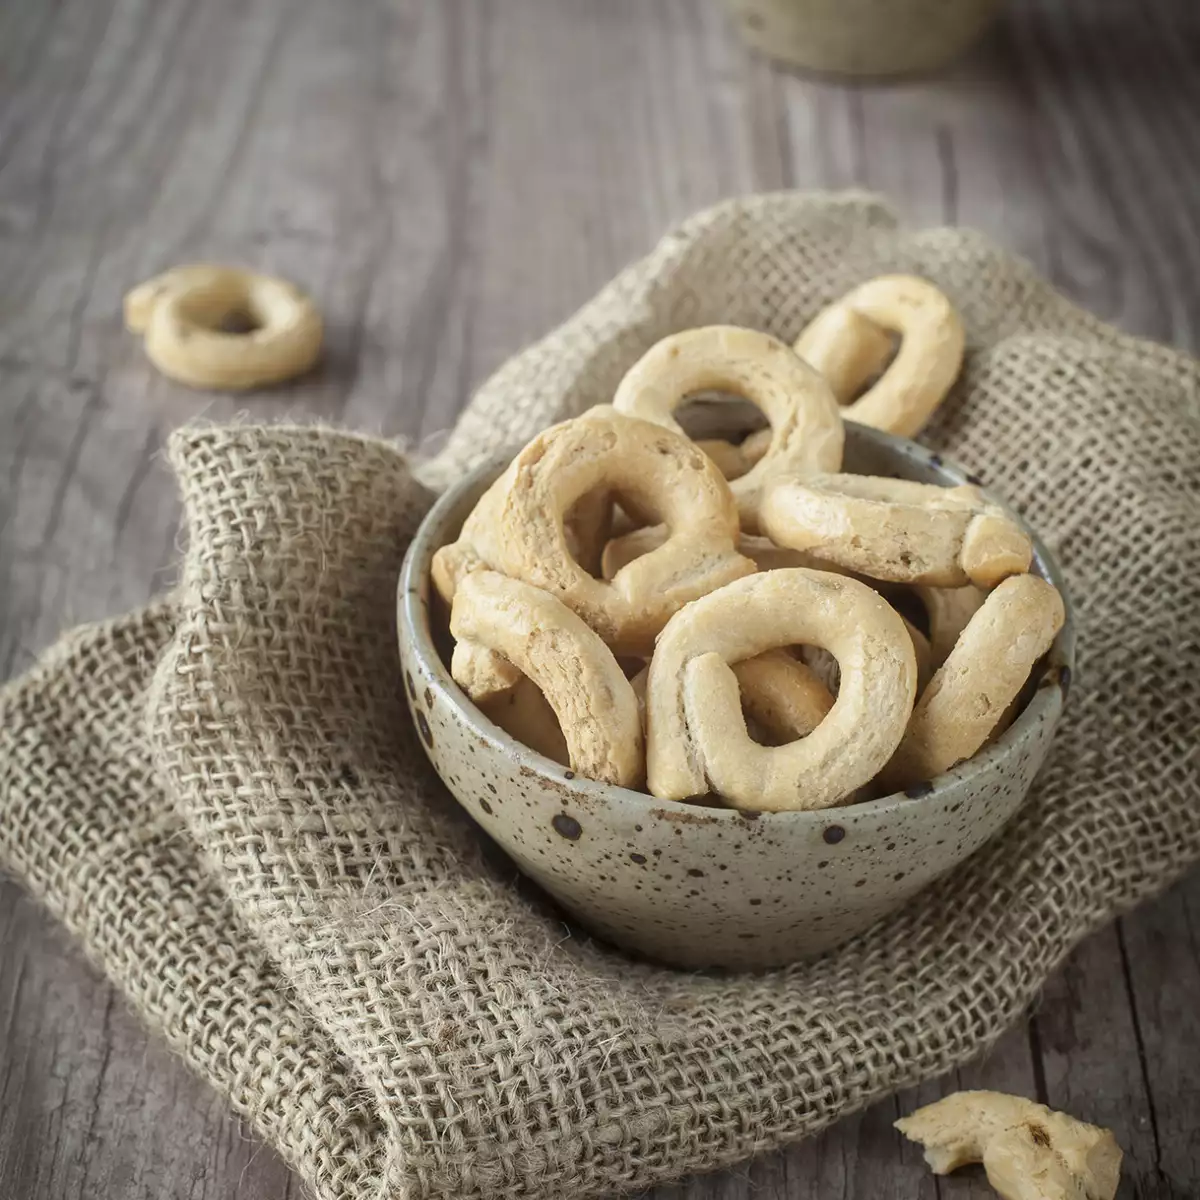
{"points": [[518, 526], [949, 610], [897, 530], [766, 556], [575, 671], [785, 698], [806, 424], [839, 344], [189, 318], [984, 673], [846, 348], [696, 735], [781, 695]]}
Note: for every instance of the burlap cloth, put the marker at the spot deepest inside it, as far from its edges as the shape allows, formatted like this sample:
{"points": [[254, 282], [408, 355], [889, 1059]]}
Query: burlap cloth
{"points": [[222, 797]]}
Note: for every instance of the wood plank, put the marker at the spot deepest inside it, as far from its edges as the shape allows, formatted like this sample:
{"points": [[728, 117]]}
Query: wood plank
{"points": [[90, 1105], [1160, 946]]}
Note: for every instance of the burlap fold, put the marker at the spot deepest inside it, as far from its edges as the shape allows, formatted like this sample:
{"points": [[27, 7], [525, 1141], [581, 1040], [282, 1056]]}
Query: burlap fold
{"points": [[222, 796]]}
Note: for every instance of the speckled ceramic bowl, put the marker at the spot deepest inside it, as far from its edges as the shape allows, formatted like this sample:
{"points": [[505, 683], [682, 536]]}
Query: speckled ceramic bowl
{"points": [[706, 887]]}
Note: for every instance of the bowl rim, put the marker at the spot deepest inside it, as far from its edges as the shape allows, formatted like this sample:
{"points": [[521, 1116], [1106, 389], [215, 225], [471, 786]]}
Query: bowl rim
{"points": [[413, 606]]}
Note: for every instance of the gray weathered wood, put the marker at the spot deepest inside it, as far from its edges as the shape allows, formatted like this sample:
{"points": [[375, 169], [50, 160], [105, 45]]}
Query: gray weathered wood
{"points": [[450, 179]]}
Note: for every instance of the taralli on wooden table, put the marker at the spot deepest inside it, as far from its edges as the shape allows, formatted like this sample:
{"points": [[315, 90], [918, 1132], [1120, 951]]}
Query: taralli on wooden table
{"points": [[1029, 1151], [575, 671], [517, 527], [893, 529], [984, 673], [225, 328], [696, 735], [806, 424], [848, 343]]}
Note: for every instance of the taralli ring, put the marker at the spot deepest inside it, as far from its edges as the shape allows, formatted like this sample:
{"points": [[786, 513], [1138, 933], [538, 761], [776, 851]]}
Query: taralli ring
{"points": [[949, 610], [517, 528], [806, 423], [970, 692], [696, 735], [782, 696], [575, 671], [897, 530], [845, 342], [224, 328], [763, 552]]}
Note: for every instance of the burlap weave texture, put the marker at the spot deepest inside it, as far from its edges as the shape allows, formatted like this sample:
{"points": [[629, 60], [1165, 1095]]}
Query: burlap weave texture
{"points": [[222, 796]]}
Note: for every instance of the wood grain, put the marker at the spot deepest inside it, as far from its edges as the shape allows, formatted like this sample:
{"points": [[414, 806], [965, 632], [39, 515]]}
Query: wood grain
{"points": [[451, 179]]}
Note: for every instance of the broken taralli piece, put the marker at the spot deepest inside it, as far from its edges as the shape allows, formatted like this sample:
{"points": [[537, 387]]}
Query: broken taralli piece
{"points": [[1029, 1151], [575, 671], [225, 328], [518, 526], [806, 423], [897, 530], [973, 689], [696, 735], [844, 343]]}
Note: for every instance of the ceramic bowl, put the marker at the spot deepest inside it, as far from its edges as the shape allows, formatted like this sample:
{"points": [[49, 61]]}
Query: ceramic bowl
{"points": [[707, 887]]}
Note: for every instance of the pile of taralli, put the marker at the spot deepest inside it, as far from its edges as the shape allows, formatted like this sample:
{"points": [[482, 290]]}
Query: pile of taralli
{"points": [[658, 612]]}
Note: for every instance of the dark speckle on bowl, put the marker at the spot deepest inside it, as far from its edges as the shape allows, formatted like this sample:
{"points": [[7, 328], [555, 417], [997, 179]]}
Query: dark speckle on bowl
{"points": [[566, 826], [412, 687], [423, 726], [429, 697], [833, 834]]}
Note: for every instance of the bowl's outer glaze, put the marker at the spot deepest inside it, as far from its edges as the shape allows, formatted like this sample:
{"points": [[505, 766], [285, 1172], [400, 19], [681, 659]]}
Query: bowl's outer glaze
{"points": [[700, 887]]}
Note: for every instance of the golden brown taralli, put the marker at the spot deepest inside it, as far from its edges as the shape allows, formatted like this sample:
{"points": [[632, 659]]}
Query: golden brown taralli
{"points": [[897, 530], [697, 739], [971, 691], [574, 670], [517, 528], [845, 342], [1029, 1151], [224, 328], [806, 424]]}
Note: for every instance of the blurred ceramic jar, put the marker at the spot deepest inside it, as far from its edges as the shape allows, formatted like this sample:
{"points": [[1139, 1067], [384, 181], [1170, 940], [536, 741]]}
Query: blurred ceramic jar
{"points": [[863, 37]]}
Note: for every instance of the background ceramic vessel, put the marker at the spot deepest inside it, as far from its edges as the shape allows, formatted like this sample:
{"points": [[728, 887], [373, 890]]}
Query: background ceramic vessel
{"points": [[863, 37], [707, 887]]}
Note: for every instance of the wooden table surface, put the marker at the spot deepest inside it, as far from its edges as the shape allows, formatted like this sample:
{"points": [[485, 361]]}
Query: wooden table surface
{"points": [[451, 178]]}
